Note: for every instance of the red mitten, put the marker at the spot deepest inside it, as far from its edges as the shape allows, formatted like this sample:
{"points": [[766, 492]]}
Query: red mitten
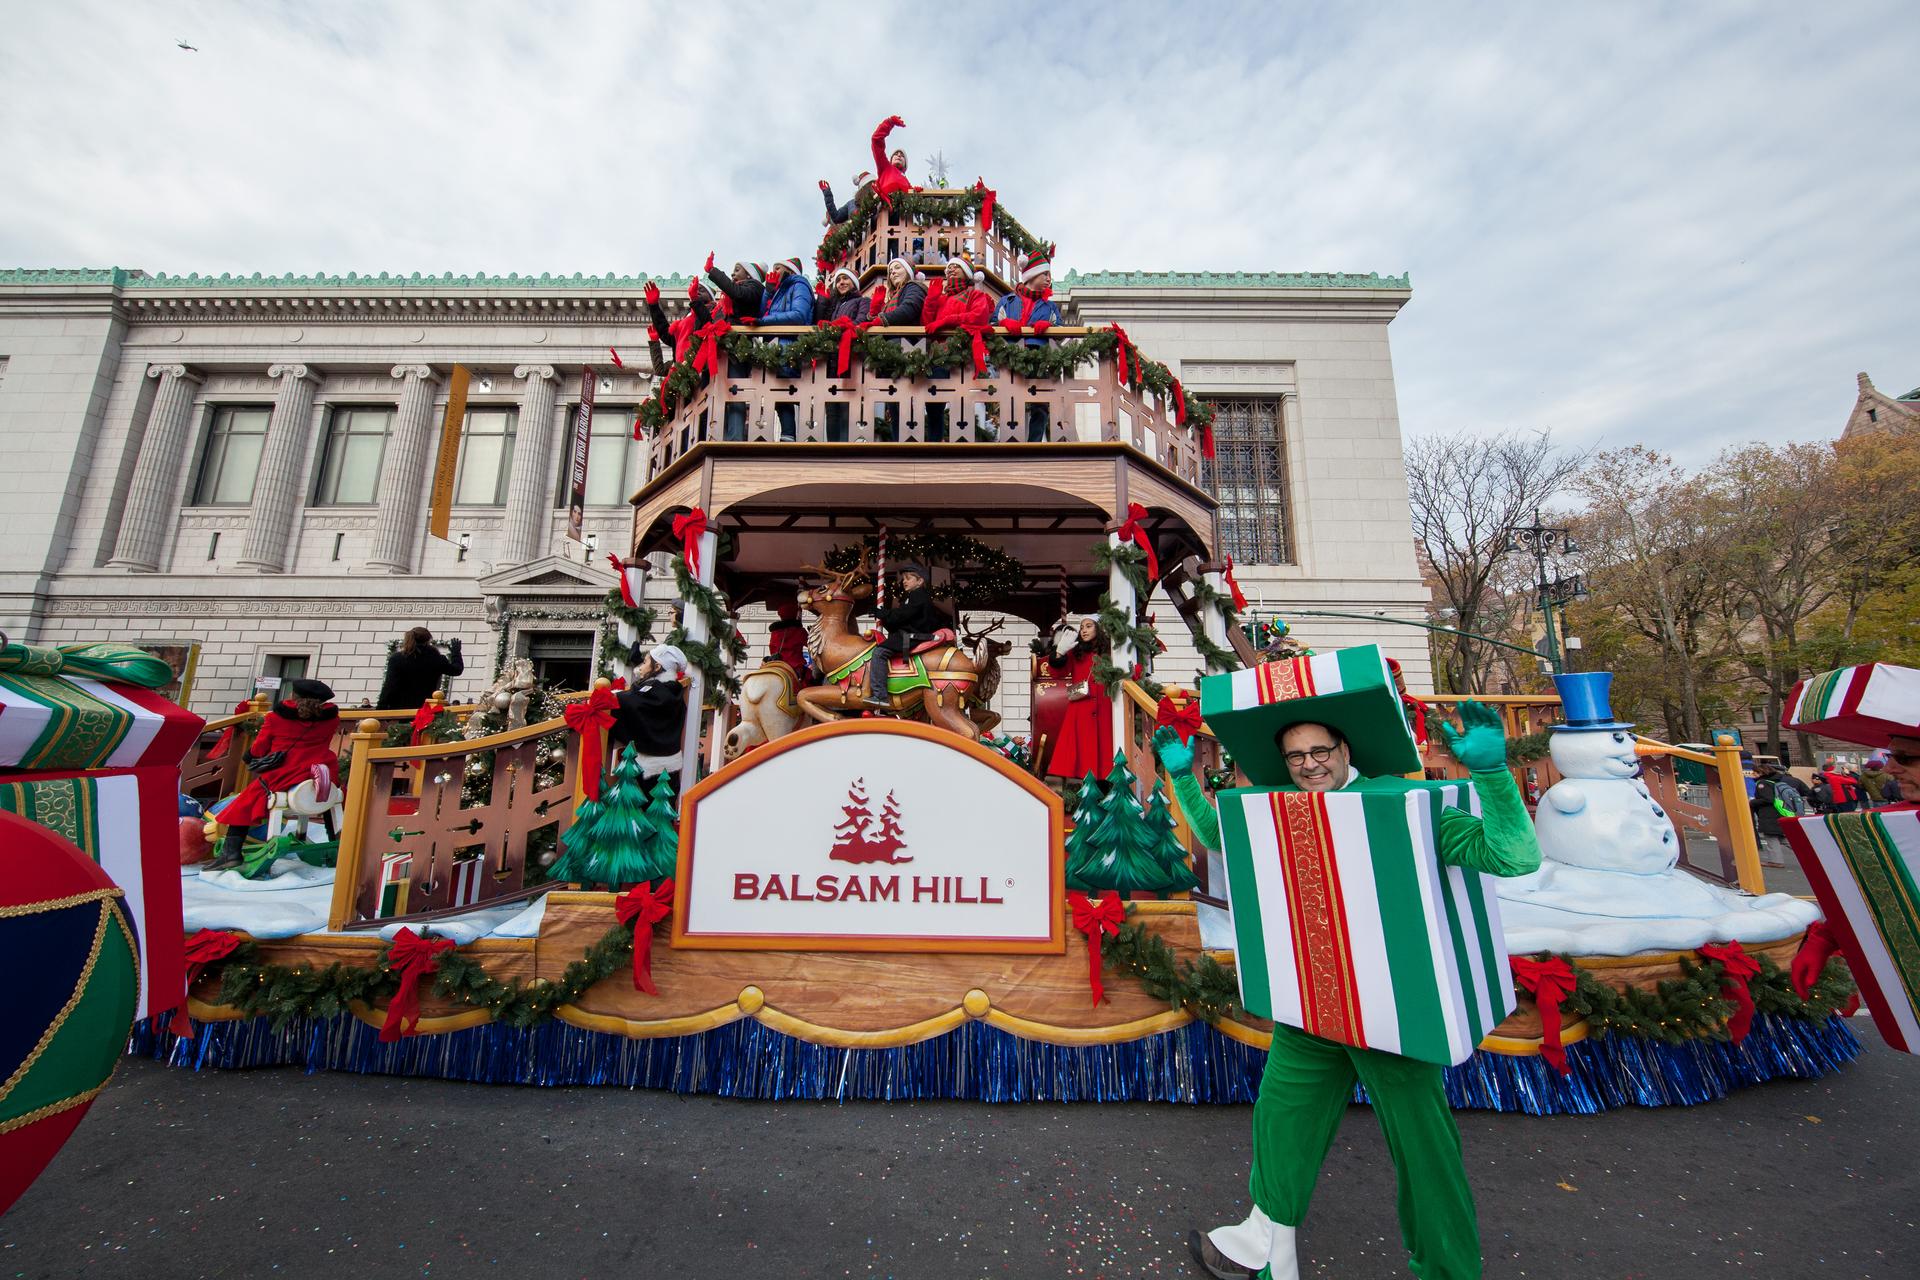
{"points": [[652, 292], [653, 334], [896, 122], [693, 289], [823, 184], [709, 265]]}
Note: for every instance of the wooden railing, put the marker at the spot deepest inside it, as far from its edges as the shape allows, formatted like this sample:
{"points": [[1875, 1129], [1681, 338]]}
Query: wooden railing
{"points": [[891, 236], [214, 769], [1000, 409], [1726, 818], [425, 835]]}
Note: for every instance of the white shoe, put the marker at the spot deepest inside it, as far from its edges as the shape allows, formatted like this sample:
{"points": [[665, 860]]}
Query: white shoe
{"points": [[1247, 1242], [1283, 1263]]}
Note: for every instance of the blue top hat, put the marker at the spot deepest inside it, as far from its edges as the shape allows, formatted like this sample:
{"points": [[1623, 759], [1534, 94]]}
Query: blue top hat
{"points": [[1584, 699]]}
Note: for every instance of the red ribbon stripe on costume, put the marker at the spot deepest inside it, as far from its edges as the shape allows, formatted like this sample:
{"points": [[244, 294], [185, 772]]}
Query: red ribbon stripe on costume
{"points": [[1550, 982], [643, 906], [202, 949], [1740, 969], [1183, 720], [1130, 531], [413, 958], [689, 528], [1096, 917]]}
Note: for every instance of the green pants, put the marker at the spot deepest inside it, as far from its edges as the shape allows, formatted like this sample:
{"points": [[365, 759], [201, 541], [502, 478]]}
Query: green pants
{"points": [[1305, 1090]]}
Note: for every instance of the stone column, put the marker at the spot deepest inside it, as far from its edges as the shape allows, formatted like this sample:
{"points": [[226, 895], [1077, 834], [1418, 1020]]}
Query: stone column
{"points": [[527, 514], [156, 475], [276, 490], [408, 450]]}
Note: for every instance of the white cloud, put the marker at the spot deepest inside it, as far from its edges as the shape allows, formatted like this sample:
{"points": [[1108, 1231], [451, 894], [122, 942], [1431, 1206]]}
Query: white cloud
{"points": [[1677, 226]]}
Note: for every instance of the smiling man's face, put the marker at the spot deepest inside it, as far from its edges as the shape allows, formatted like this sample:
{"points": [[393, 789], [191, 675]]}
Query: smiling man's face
{"points": [[1316, 757]]}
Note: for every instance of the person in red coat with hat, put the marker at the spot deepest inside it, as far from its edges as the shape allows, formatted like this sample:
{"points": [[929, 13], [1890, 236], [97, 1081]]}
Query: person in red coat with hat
{"points": [[297, 736], [1086, 733]]}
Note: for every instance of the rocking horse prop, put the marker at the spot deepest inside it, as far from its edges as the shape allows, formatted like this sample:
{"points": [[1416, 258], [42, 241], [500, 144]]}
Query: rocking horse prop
{"points": [[938, 682]]}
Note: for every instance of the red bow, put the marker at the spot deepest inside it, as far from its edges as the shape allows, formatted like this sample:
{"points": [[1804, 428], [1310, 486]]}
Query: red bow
{"points": [[1739, 969], [643, 905], [847, 327], [1550, 982], [689, 528], [425, 716], [203, 948], [225, 739], [413, 958], [1183, 720], [1239, 597], [979, 334], [1094, 917], [587, 718], [986, 203], [1810, 961], [665, 378], [626, 592], [1416, 717], [616, 355], [1180, 406], [1130, 531], [706, 356], [1206, 441], [1122, 367]]}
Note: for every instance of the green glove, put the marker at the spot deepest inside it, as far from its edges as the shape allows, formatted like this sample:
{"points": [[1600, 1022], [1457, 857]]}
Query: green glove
{"points": [[1480, 743], [1176, 755]]}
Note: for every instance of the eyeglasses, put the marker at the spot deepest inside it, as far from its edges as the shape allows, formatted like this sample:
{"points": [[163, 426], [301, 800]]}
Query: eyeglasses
{"points": [[1319, 755], [1905, 759]]}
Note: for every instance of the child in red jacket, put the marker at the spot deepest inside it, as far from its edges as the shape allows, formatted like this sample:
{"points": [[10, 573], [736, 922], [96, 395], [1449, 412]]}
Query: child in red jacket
{"points": [[297, 736]]}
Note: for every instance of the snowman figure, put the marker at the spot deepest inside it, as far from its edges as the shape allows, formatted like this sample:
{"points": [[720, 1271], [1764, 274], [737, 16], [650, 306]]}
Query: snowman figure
{"points": [[1610, 882]]}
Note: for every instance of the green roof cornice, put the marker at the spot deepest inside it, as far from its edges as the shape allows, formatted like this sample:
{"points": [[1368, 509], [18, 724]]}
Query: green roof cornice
{"points": [[123, 278], [1234, 280]]}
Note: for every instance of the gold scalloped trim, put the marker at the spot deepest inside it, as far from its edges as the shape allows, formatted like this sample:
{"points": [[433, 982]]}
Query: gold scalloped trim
{"points": [[436, 1025], [53, 1108], [73, 999], [60, 904]]}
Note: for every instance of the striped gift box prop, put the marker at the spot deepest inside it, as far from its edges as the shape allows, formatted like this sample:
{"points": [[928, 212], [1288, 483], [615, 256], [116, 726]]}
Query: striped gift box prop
{"points": [[466, 881], [1350, 689], [127, 821], [396, 877], [1348, 926], [1858, 704], [1864, 868], [76, 722]]}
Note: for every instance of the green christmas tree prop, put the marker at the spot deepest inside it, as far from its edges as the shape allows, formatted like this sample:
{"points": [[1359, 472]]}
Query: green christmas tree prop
{"points": [[634, 838], [1117, 845], [571, 866]]}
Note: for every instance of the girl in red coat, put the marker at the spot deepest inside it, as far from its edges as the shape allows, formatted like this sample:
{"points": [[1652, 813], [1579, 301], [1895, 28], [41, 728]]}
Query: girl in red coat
{"points": [[1086, 734], [297, 736]]}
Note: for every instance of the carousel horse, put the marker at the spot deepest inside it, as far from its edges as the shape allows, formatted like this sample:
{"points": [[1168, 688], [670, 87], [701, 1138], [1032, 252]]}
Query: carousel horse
{"points": [[318, 799], [769, 708], [937, 682]]}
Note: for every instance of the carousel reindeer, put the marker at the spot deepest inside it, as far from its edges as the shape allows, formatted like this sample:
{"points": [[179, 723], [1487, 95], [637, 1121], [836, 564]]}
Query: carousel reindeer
{"points": [[946, 678], [986, 656]]}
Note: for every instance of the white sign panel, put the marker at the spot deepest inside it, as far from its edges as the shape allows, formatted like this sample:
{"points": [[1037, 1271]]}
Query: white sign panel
{"points": [[871, 835]]}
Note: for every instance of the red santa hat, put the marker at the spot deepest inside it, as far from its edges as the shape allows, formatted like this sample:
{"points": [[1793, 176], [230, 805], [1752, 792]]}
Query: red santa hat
{"points": [[844, 271], [1039, 262], [791, 267], [862, 178]]}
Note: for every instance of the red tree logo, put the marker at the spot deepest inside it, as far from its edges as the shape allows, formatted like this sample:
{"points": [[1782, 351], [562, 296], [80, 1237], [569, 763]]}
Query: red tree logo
{"points": [[860, 836]]}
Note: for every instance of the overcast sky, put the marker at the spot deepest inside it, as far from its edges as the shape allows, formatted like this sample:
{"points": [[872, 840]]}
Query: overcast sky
{"points": [[1685, 225]]}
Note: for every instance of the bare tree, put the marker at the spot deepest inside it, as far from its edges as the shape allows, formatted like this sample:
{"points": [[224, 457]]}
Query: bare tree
{"points": [[1467, 492], [1655, 549]]}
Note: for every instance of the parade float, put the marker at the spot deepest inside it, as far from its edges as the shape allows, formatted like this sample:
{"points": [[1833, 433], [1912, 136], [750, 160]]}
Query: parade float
{"points": [[828, 891]]}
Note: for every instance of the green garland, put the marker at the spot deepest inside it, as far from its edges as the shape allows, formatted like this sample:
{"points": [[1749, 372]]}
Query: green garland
{"points": [[1691, 1006], [1205, 595], [1204, 987], [510, 616], [283, 992], [723, 647], [887, 356], [927, 210], [1131, 561], [640, 618], [982, 576]]}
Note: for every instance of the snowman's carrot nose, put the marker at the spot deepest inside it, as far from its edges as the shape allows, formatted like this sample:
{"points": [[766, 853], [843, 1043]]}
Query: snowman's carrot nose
{"points": [[1647, 749]]}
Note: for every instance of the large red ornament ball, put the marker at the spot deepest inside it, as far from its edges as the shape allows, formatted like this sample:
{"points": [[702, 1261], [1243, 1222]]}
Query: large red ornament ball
{"points": [[73, 980]]}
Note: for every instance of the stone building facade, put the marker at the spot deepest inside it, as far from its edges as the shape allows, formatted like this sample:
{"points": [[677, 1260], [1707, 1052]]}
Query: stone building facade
{"points": [[243, 466]]}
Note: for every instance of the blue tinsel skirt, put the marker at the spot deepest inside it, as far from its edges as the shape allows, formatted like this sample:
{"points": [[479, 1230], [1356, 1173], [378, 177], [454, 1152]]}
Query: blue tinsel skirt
{"points": [[975, 1061]]}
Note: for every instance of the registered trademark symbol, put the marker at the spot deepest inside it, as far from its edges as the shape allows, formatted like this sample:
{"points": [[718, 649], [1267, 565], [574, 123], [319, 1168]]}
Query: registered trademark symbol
{"points": [[1009, 882]]}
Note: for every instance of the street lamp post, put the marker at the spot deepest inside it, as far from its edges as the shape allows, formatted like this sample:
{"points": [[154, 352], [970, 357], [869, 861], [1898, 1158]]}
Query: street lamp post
{"points": [[1541, 541]]}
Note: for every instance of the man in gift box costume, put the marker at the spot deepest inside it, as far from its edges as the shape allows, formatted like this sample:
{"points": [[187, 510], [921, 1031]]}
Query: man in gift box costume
{"points": [[1317, 740]]}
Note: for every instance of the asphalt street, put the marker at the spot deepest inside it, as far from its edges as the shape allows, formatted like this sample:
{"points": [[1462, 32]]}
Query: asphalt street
{"points": [[274, 1173]]}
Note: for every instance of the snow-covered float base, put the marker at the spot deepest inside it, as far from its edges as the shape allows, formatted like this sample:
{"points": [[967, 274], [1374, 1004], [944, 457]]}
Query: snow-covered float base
{"points": [[893, 1027]]}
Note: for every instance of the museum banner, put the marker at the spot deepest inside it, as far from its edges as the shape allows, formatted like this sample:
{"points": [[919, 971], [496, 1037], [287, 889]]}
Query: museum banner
{"points": [[577, 458], [446, 468]]}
